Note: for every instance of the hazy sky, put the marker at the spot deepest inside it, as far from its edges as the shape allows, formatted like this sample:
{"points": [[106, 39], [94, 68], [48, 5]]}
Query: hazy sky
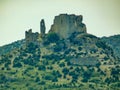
{"points": [[102, 17]]}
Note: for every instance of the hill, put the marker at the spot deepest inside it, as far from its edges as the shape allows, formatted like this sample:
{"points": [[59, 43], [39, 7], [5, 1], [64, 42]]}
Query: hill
{"points": [[114, 43], [61, 60], [9, 47]]}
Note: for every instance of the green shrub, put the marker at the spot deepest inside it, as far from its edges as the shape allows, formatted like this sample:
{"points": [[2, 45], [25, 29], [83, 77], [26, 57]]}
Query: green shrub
{"points": [[56, 74], [42, 67], [52, 37], [37, 79], [49, 77], [79, 48], [17, 64], [65, 71], [31, 48], [62, 64], [54, 79], [50, 67]]}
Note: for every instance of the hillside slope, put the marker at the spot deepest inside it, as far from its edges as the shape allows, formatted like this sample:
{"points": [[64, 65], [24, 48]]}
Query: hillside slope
{"points": [[9, 47], [79, 61], [114, 43]]}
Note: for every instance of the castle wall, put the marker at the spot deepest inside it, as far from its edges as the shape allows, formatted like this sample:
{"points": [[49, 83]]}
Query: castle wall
{"points": [[31, 37], [64, 25]]}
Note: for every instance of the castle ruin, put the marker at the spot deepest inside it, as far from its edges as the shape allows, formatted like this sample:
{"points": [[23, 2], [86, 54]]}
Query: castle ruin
{"points": [[31, 37], [64, 26], [42, 27]]}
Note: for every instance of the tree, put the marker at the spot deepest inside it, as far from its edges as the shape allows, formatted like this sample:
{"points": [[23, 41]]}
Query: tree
{"points": [[87, 75], [17, 64], [49, 77], [65, 71], [52, 37], [42, 83], [84, 80], [42, 67], [37, 79], [54, 79], [56, 73], [62, 64], [79, 48], [2, 78]]}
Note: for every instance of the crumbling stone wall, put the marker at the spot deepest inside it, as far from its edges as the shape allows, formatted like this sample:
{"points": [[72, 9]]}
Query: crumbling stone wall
{"points": [[31, 37], [64, 25]]}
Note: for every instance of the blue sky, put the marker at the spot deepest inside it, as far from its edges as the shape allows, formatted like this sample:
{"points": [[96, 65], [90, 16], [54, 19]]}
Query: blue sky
{"points": [[102, 17]]}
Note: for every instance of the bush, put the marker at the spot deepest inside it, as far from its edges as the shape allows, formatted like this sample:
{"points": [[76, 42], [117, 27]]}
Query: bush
{"points": [[103, 45], [77, 69], [37, 79], [115, 72], [17, 64], [54, 79], [50, 67], [95, 80], [79, 48], [31, 60], [74, 75], [69, 63], [31, 48], [42, 83], [51, 57], [42, 67], [49, 77], [62, 64], [7, 63], [52, 37], [65, 71], [84, 80], [57, 48], [87, 74], [2, 78], [56, 73], [98, 64]]}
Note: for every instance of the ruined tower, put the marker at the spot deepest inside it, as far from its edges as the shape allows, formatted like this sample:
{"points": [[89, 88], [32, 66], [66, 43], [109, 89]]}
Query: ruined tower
{"points": [[64, 25], [31, 37], [42, 27]]}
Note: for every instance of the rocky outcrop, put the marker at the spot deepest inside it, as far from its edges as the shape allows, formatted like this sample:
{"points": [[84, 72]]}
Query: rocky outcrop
{"points": [[64, 25]]}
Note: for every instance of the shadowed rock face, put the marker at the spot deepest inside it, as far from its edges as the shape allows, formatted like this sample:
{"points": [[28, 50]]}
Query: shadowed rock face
{"points": [[64, 25]]}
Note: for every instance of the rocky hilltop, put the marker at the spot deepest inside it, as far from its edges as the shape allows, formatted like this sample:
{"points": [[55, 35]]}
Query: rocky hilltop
{"points": [[65, 58]]}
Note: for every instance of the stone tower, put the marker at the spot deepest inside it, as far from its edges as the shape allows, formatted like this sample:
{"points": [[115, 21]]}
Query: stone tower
{"points": [[64, 25], [31, 37], [42, 27]]}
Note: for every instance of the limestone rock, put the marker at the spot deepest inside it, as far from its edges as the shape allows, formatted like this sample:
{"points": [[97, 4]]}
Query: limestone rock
{"points": [[64, 25]]}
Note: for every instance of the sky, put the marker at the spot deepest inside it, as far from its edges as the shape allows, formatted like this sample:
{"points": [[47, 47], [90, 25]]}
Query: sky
{"points": [[102, 17]]}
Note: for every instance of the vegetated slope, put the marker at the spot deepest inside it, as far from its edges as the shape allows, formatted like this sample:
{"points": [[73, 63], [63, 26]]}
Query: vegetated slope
{"points": [[114, 43], [82, 61], [7, 48]]}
